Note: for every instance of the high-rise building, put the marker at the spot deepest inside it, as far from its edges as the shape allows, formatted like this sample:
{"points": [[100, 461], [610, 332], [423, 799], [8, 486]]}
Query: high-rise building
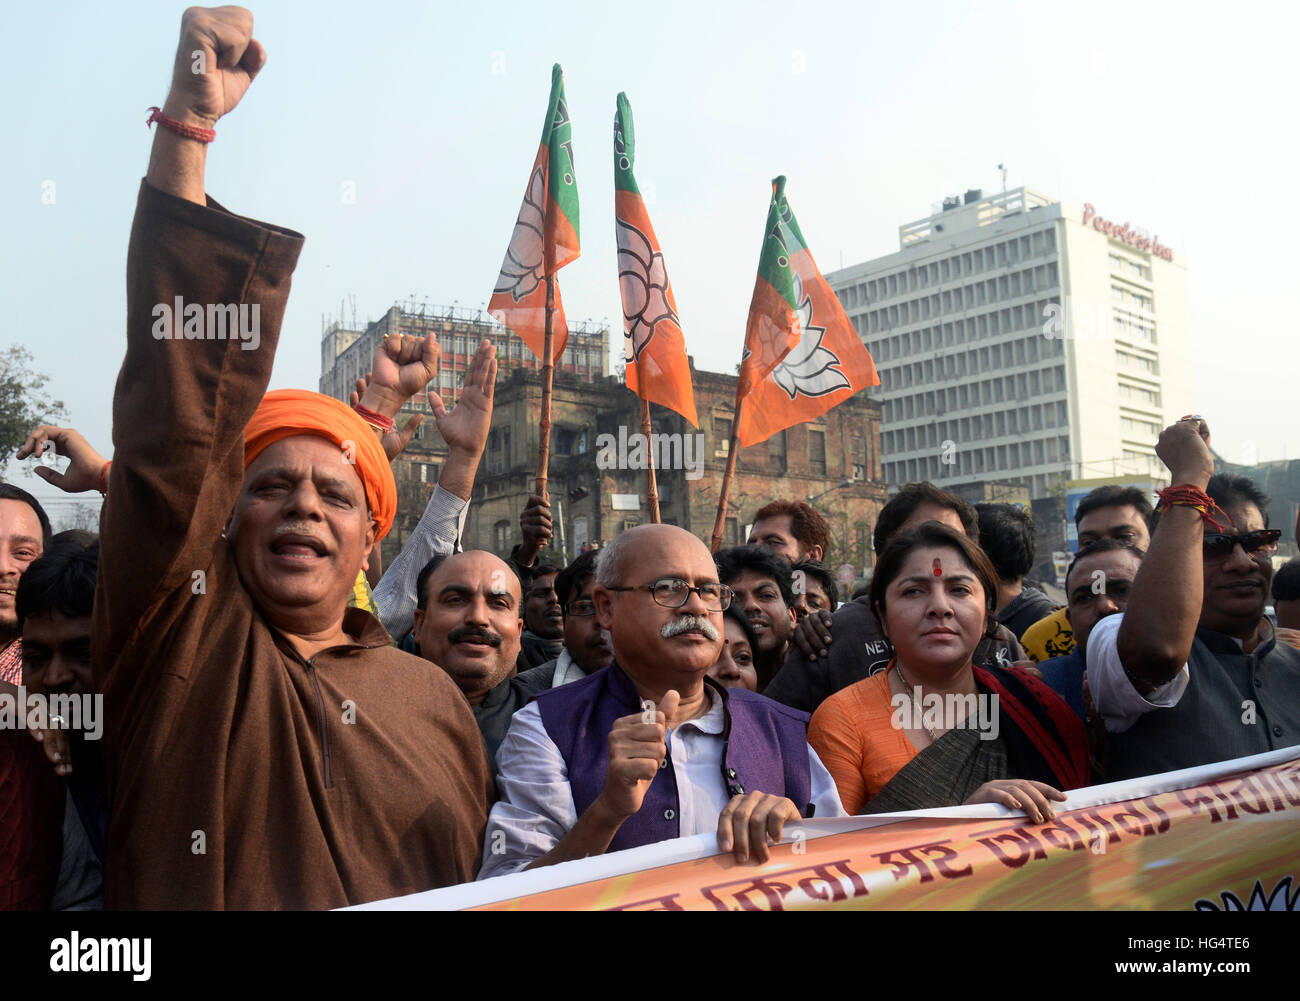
{"points": [[1022, 340]]}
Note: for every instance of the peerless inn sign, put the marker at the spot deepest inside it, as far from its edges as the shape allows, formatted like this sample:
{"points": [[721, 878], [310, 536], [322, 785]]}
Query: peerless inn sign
{"points": [[1134, 238]]}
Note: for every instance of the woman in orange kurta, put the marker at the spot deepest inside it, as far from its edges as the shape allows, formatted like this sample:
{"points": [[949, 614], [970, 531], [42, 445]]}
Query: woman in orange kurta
{"points": [[933, 592]]}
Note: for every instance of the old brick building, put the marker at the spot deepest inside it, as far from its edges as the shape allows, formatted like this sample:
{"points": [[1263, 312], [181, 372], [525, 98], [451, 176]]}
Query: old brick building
{"points": [[833, 460], [346, 354]]}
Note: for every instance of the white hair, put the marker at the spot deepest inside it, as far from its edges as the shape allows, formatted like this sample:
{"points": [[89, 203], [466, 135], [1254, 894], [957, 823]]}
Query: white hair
{"points": [[608, 559]]}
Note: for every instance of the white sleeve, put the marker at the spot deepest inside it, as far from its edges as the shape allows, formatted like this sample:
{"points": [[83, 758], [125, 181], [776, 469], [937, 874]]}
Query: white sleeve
{"points": [[823, 792], [536, 807], [437, 534], [1120, 704]]}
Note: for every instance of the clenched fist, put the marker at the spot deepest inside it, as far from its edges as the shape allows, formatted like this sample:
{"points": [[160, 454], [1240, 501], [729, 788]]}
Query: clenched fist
{"points": [[637, 750], [216, 60]]}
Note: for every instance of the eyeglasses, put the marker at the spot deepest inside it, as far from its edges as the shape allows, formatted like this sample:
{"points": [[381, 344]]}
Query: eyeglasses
{"points": [[582, 607], [672, 592], [1217, 546]]}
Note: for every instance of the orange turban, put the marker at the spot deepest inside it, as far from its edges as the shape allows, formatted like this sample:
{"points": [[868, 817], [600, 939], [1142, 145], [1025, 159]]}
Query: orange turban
{"points": [[284, 413]]}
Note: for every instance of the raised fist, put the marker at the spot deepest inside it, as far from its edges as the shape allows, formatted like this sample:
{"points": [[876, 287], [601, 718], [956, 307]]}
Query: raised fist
{"points": [[1185, 448], [216, 59]]}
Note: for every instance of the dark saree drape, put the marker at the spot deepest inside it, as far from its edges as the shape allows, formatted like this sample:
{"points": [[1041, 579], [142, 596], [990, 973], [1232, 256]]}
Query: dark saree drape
{"points": [[1039, 738]]}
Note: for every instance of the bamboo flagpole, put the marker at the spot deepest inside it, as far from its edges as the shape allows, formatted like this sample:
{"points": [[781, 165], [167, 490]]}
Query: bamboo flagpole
{"points": [[548, 373], [651, 486], [732, 451]]}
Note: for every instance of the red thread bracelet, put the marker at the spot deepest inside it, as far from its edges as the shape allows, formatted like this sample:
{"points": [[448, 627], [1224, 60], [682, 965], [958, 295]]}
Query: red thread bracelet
{"points": [[376, 420], [180, 128], [1187, 495], [103, 478]]}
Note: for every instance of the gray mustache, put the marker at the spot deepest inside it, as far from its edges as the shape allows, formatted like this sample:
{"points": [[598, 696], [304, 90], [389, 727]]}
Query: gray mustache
{"points": [[684, 623]]}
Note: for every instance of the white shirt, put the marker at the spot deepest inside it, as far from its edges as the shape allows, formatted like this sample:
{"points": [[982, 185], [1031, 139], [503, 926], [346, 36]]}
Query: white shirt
{"points": [[1120, 704], [437, 534], [536, 807], [566, 670]]}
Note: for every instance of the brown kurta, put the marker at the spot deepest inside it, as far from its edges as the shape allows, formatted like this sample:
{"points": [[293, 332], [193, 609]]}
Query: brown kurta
{"points": [[239, 774]]}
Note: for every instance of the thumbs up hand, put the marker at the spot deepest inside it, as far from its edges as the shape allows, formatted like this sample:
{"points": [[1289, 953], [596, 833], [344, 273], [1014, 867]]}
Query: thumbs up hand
{"points": [[637, 749]]}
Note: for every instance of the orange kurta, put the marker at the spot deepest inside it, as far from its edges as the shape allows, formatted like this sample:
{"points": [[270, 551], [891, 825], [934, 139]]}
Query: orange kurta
{"points": [[854, 735]]}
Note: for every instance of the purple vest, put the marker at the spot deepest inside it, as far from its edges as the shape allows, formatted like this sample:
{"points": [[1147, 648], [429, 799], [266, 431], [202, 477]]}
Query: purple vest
{"points": [[766, 748]]}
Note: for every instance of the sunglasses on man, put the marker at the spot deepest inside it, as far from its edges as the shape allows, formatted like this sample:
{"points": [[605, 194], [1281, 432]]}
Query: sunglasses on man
{"points": [[1217, 546]]}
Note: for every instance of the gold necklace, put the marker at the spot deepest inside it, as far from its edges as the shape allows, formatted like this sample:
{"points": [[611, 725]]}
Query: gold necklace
{"points": [[898, 669]]}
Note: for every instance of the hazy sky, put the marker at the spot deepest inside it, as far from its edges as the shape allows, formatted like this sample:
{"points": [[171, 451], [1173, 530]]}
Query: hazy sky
{"points": [[1170, 116]]}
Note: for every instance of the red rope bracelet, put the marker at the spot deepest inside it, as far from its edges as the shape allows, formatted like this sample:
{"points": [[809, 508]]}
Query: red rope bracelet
{"points": [[180, 128], [375, 419], [103, 477], [1187, 495]]}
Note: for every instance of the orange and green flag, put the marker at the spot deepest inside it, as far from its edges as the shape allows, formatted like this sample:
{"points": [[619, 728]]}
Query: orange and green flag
{"points": [[773, 327], [545, 237], [654, 347], [828, 362]]}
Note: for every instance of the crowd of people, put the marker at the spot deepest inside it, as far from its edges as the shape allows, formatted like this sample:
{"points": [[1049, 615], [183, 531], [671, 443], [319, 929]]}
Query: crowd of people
{"points": [[288, 724]]}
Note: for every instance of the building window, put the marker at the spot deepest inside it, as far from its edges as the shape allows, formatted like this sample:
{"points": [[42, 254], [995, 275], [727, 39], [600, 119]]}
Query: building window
{"points": [[817, 452], [501, 536], [721, 436]]}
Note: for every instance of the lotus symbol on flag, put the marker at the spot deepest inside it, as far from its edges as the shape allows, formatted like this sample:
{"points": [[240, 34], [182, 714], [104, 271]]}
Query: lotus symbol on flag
{"points": [[643, 281], [1281, 899], [809, 369], [521, 271]]}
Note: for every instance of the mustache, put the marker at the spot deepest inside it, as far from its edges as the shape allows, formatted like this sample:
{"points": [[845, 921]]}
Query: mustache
{"points": [[684, 623], [466, 632]]}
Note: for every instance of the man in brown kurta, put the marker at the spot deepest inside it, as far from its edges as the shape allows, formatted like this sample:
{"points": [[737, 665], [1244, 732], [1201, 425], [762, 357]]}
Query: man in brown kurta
{"points": [[260, 753]]}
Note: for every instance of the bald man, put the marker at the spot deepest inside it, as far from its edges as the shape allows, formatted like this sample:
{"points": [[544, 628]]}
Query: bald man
{"points": [[265, 745], [650, 748], [467, 621]]}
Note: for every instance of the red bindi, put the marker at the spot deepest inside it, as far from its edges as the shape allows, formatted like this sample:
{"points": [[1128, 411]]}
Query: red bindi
{"points": [[938, 571]]}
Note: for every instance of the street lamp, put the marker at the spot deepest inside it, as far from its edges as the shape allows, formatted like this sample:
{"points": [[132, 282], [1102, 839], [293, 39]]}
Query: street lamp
{"points": [[846, 482]]}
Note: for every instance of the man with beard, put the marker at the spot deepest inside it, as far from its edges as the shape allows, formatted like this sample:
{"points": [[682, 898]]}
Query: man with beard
{"points": [[586, 642], [467, 622], [24, 534], [792, 529], [1192, 672], [761, 586], [650, 748]]}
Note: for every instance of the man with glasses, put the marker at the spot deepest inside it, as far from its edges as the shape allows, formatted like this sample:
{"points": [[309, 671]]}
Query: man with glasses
{"points": [[649, 748], [1191, 672], [586, 642]]}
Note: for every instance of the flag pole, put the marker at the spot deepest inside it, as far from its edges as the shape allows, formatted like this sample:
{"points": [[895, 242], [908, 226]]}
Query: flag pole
{"points": [[732, 451], [651, 486], [548, 371]]}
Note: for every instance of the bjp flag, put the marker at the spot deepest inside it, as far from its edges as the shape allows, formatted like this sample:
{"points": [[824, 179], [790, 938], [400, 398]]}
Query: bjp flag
{"points": [[654, 348], [828, 362], [545, 237], [773, 326]]}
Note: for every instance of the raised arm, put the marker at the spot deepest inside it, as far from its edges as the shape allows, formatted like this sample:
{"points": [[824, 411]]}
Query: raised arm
{"points": [[1164, 604], [206, 292], [465, 431]]}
